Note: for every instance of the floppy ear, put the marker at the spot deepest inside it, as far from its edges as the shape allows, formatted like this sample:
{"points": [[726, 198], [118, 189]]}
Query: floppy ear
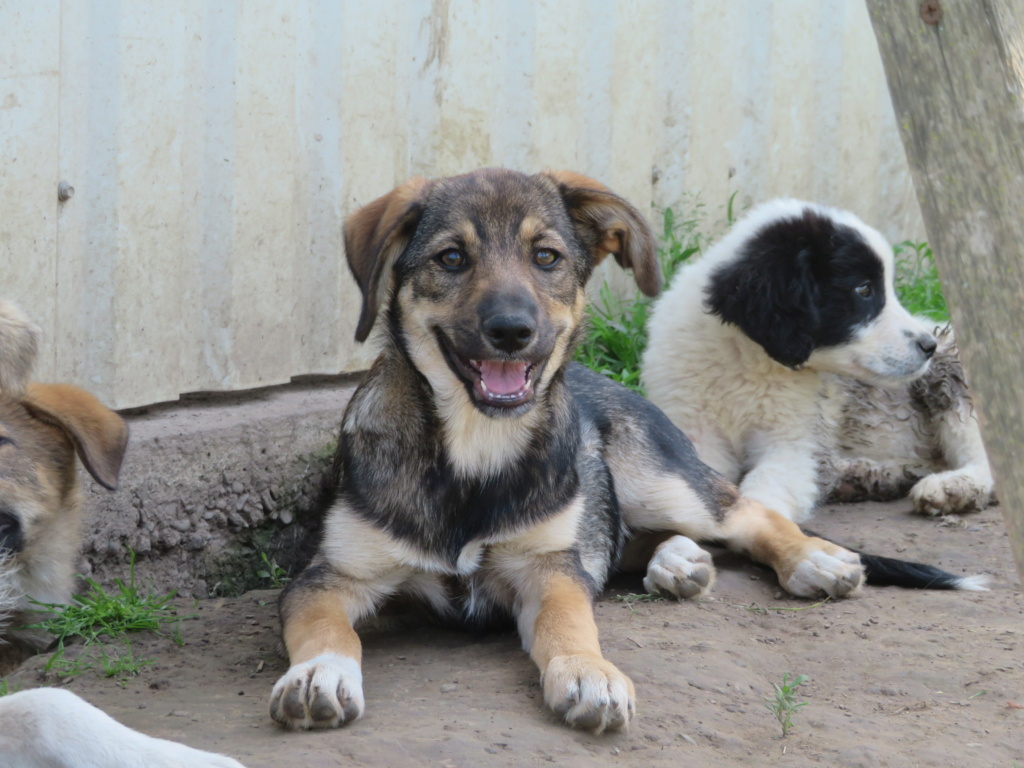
{"points": [[19, 345], [99, 435], [608, 224], [772, 299], [375, 237]]}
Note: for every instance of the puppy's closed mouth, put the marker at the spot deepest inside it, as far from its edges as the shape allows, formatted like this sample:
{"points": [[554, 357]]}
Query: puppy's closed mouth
{"points": [[503, 384]]}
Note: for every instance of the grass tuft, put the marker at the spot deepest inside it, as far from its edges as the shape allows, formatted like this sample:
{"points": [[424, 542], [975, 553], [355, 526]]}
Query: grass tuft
{"points": [[784, 704], [917, 281], [618, 327], [96, 617]]}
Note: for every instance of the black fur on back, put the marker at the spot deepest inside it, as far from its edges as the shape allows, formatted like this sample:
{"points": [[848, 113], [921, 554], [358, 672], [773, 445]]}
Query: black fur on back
{"points": [[792, 286]]}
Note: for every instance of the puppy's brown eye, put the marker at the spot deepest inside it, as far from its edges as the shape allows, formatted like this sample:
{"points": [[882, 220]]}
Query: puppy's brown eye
{"points": [[545, 258], [452, 259], [863, 290]]}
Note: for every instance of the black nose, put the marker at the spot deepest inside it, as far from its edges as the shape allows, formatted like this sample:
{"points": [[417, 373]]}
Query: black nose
{"points": [[509, 333], [927, 344]]}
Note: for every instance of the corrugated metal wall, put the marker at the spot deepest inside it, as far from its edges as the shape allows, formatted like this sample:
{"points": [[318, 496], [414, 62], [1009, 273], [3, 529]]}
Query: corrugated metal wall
{"points": [[215, 149]]}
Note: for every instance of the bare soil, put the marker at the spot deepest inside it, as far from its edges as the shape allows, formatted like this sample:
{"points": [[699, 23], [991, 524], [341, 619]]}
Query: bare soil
{"points": [[896, 677]]}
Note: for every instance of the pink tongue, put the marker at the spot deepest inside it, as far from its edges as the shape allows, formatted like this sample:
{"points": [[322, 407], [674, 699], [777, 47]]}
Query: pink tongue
{"points": [[503, 378]]}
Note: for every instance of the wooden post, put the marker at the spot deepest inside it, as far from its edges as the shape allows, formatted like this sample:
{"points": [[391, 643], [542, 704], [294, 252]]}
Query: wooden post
{"points": [[956, 76]]}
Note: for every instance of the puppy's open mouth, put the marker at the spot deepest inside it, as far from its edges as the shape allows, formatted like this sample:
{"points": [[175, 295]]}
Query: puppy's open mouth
{"points": [[501, 384]]}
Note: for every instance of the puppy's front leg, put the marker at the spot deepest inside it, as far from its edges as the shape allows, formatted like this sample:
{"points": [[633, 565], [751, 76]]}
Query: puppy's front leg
{"points": [[556, 622], [784, 476], [323, 688], [807, 566]]}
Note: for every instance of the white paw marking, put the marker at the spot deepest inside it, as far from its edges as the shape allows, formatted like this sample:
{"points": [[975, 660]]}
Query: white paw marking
{"points": [[827, 571], [948, 493], [679, 569], [324, 692], [589, 693]]}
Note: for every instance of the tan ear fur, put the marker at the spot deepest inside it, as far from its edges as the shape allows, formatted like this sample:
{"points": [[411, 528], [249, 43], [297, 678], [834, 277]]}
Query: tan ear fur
{"points": [[608, 224], [376, 235], [19, 346], [99, 435]]}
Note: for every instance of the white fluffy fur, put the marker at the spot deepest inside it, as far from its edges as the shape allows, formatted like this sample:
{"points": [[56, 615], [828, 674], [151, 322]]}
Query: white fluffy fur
{"points": [[758, 422], [53, 728]]}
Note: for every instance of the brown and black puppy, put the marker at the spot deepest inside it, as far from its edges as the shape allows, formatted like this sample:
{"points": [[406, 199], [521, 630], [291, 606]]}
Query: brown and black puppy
{"points": [[42, 428], [481, 472]]}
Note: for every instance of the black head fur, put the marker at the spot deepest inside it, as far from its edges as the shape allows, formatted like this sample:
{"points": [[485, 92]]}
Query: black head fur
{"points": [[793, 286]]}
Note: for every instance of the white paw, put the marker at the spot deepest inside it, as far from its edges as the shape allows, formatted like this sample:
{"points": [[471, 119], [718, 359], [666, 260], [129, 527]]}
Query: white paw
{"points": [[825, 570], [948, 493], [589, 692], [679, 569], [324, 692]]}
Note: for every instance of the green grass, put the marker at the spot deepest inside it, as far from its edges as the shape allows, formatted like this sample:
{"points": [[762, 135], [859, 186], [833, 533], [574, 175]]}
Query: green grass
{"points": [[784, 704], [101, 621], [917, 281], [618, 327], [617, 337], [275, 576]]}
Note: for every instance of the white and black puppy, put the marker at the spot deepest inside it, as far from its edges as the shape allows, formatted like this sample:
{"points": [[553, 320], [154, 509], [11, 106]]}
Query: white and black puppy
{"points": [[771, 350]]}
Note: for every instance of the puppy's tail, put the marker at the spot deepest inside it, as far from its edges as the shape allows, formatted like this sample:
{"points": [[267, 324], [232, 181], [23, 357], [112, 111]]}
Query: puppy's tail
{"points": [[882, 571], [890, 572]]}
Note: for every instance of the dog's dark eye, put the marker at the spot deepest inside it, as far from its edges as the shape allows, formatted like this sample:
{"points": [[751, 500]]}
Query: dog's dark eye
{"points": [[546, 258], [452, 259], [5, 441], [863, 290]]}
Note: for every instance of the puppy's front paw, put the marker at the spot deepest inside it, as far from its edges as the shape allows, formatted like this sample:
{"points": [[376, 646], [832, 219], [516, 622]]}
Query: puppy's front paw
{"points": [[589, 692], [949, 493], [324, 692], [823, 569], [679, 569]]}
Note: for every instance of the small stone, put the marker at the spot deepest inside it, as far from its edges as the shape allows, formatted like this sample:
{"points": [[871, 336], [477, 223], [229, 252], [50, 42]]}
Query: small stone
{"points": [[268, 502], [237, 488], [449, 688]]}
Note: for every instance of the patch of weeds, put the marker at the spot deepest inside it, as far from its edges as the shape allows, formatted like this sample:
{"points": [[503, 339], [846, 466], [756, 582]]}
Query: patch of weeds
{"points": [[618, 327], [272, 572], [270, 553], [784, 704], [98, 618], [917, 281], [5, 688], [617, 338], [682, 236]]}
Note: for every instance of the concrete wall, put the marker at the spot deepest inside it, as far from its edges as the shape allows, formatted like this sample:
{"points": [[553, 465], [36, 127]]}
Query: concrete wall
{"points": [[215, 148]]}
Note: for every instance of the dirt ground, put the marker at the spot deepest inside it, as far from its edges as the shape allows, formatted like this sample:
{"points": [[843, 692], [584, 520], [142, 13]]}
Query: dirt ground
{"points": [[896, 678]]}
